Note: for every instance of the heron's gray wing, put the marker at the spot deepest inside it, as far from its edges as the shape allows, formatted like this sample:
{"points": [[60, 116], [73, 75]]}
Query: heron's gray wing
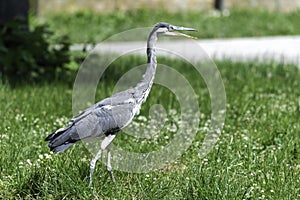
{"points": [[116, 99], [105, 119], [94, 122]]}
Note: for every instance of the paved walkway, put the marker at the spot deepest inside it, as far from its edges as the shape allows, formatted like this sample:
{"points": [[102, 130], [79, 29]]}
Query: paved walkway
{"points": [[281, 49], [285, 49]]}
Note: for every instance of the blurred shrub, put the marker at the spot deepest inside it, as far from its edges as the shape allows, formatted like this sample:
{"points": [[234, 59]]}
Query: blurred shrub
{"points": [[31, 55]]}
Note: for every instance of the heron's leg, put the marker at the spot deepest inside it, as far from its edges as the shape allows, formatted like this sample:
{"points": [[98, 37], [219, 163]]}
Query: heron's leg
{"points": [[108, 165], [93, 163], [105, 143]]}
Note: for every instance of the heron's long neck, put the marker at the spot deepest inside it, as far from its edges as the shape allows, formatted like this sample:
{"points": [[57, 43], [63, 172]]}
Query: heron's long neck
{"points": [[144, 86], [151, 60]]}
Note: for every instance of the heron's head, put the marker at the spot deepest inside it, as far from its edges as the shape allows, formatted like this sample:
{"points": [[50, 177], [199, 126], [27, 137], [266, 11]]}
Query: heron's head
{"points": [[163, 28]]}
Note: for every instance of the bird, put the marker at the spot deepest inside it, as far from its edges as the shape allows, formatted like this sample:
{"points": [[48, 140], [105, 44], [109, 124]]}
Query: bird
{"points": [[107, 117]]}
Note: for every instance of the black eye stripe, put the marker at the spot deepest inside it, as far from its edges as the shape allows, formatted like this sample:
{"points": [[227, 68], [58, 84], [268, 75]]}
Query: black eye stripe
{"points": [[162, 25]]}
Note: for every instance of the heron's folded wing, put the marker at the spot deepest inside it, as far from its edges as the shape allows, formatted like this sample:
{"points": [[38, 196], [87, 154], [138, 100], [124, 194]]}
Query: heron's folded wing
{"points": [[103, 120]]}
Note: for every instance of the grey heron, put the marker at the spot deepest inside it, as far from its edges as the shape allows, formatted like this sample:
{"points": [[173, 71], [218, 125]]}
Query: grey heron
{"points": [[107, 117]]}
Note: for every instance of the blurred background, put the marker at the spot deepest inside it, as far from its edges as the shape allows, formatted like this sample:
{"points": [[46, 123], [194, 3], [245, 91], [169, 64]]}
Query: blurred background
{"points": [[72, 22], [45, 6]]}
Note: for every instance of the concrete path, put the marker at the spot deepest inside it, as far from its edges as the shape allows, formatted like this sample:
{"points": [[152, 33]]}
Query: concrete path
{"points": [[280, 49]]}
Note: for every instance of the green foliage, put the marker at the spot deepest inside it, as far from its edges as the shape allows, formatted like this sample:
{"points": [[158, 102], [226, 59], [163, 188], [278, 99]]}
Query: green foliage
{"points": [[31, 55], [240, 23]]}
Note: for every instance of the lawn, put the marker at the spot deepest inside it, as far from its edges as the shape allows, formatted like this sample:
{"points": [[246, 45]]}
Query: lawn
{"points": [[256, 157], [91, 27]]}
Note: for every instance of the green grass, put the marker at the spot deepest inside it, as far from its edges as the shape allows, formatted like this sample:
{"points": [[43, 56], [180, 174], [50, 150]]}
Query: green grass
{"points": [[92, 27], [256, 157]]}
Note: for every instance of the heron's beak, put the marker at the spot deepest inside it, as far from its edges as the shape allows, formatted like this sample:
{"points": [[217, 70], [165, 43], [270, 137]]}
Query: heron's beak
{"points": [[180, 28]]}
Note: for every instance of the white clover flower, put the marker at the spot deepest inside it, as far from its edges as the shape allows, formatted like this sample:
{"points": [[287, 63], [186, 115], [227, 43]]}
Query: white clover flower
{"points": [[245, 137], [142, 118], [4, 136], [47, 156], [205, 161], [29, 162], [173, 128]]}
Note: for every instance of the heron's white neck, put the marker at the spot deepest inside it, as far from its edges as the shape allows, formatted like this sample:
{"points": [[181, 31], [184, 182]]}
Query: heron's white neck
{"points": [[143, 87]]}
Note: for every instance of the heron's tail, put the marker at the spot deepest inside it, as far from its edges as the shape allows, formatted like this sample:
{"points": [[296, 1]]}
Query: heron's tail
{"points": [[63, 138]]}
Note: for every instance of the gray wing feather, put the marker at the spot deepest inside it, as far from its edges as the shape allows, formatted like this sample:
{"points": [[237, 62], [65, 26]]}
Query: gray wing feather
{"points": [[105, 117], [103, 120]]}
